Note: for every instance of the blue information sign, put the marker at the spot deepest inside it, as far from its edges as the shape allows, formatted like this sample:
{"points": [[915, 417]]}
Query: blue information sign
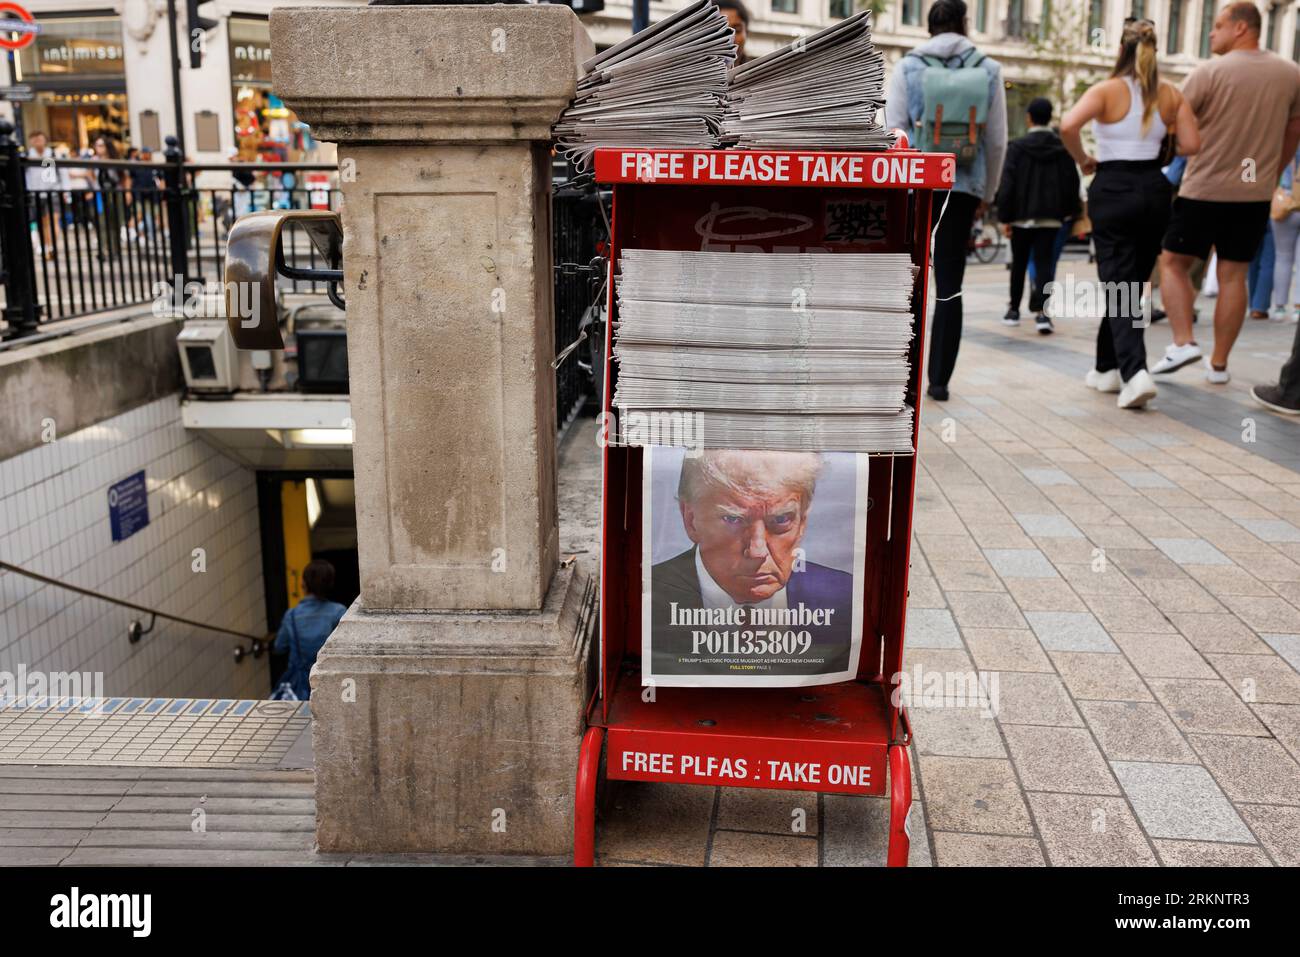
{"points": [[128, 506]]}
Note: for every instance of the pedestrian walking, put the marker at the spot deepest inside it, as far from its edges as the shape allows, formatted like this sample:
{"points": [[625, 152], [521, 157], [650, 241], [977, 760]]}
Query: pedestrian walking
{"points": [[304, 628], [737, 15], [1284, 229], [1132, 113], [958, 78], [1259, 277], [144, 182], [112, 212], [1247, 102], [1062, 237], [1038, 193], [45, 186]]}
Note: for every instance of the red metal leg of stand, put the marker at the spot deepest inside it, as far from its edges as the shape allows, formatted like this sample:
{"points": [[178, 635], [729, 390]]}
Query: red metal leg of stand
{"points": [[900, 803], [584, 800]]}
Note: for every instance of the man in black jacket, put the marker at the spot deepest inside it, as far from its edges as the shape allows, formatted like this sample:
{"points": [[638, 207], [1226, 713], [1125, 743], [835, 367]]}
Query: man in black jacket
{"points": [[1039, 189]]}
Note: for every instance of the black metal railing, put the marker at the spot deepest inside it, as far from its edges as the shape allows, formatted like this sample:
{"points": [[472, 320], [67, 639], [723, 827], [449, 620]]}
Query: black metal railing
{"points": [[579, 243], [82, 236]]}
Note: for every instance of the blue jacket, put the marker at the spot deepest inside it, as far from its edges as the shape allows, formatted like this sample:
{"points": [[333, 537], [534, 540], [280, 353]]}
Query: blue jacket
{"points": [[905, 106], [302, 633]]}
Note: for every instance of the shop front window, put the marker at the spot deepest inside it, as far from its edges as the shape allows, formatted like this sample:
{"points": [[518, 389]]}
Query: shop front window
{"points": [[264, 127], [68, 45], [77, 71]]}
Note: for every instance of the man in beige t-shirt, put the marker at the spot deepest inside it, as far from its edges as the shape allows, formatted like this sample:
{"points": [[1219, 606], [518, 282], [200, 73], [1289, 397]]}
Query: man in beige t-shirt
{"points": [[1247, 103]]}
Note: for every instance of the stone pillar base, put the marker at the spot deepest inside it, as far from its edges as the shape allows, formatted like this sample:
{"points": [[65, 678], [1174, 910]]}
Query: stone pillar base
{"points": [[453, 732]]}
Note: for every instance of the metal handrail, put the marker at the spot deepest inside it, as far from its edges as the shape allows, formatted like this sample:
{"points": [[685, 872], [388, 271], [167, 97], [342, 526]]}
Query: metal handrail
{"points": [[136, 631]]}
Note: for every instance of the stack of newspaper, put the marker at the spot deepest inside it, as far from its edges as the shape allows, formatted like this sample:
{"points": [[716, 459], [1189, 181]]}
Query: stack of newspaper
{"points": [[663, 86], [820, 92], [785, 351]]}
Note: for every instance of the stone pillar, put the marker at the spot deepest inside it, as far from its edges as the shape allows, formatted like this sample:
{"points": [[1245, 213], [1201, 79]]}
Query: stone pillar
{"points": [[447, 706]]}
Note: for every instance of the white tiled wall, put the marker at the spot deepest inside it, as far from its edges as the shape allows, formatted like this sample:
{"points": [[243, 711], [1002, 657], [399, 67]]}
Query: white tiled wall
{"points": [[54, 519]]}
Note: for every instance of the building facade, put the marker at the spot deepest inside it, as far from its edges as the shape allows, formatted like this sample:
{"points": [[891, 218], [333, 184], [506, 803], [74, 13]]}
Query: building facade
{"points": [[1047, 47], [102, 69]]}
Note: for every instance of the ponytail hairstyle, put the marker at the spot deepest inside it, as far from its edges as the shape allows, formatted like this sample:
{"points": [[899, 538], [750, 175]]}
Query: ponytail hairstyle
{"points": [[1137, 58]]}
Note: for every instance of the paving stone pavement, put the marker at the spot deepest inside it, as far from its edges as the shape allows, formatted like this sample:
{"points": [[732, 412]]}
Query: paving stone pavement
{"points": [[1132, 578]]}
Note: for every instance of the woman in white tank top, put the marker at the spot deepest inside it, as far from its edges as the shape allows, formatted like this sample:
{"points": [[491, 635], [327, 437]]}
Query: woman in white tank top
{"points": [[1127, 139], [1128, 200]]}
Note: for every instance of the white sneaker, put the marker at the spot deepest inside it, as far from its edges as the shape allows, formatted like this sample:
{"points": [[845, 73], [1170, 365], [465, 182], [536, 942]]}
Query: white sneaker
{"points": [[1214, 376], [1137, 391], [1104, 381], [1280, 314], [1176, 357]]}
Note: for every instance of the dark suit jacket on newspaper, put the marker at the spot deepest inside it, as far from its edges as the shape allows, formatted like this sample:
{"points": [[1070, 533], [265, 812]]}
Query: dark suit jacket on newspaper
{"points": [[817, 587]]}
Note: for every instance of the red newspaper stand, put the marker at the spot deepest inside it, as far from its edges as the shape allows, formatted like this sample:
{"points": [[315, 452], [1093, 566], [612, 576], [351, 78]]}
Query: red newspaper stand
{"points": [[834, 738]]}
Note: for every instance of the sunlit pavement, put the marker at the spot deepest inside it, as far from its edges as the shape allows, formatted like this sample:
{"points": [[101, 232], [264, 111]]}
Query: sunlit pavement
{"points": [[1133, 578]]}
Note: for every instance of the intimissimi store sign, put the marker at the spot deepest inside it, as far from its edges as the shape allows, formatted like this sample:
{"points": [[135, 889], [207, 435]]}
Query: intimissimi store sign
{"points": [[87, 45], [250, 51], [99, 54]]}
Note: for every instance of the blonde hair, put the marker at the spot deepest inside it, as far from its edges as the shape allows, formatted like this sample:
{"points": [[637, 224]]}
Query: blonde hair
{"points": [[1137, 58], [750, 473]]}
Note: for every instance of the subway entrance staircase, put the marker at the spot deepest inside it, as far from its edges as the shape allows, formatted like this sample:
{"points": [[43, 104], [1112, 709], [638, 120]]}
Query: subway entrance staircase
{"points": [[157, 781]]}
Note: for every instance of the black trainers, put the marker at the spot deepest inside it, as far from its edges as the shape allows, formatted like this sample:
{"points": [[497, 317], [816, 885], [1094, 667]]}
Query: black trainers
{"points": [[1012, 317], [938, 392], [1271, 397], [1044, 324]]}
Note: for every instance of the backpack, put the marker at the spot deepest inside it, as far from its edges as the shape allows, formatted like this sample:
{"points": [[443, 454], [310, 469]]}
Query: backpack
{"points": [[956, 103]]}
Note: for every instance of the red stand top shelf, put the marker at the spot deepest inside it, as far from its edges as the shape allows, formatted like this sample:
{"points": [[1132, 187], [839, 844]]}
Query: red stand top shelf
{"points": [[897, 168]]}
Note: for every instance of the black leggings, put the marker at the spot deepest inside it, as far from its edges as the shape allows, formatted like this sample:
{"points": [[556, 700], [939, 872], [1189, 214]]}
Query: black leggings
{"points": [[1128, 203], [951, 243]]}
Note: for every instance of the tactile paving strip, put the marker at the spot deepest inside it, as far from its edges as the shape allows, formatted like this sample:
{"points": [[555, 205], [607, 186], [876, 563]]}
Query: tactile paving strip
{"points": [[159, 732]]}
